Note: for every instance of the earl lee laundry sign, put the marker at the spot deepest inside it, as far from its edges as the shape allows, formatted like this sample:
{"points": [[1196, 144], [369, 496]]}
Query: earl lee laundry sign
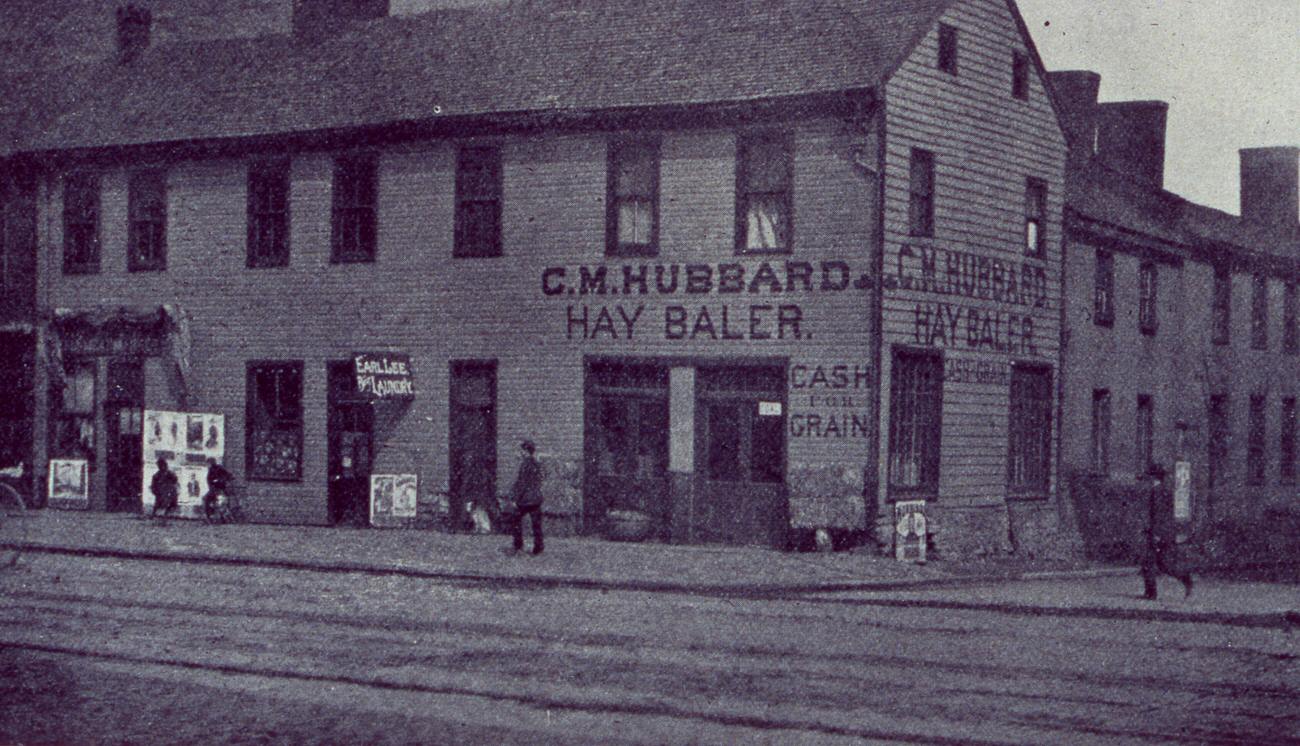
{"points": [[384, 375]]}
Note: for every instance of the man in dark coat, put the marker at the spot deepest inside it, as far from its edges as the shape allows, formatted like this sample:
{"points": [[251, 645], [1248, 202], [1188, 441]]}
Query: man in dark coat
{"points": [[219, 479], [527, 494], [1160, 548], [165, 488]]}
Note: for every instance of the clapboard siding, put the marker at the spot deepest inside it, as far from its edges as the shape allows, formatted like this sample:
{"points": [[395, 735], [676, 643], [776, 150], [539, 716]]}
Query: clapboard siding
{"points": [[986, 144]]}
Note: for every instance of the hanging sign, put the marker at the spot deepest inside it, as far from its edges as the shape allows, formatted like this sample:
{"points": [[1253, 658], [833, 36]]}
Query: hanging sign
{"points": [[909, 531], [384, 375]]}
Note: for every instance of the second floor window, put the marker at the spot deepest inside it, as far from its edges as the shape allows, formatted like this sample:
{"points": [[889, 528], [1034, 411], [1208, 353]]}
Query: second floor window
{"points": [[920, 204], [1259, 313], [354, 209], [81, 223], [268, 213], [1103, 293], [632, 221], [915, 421], [1222, 306], [1036, 217], [1101, 431], [1029, 450], [147, 208], [478, 202], [1256, 443], [764, 193], [1290, 342], [1148, 319]]}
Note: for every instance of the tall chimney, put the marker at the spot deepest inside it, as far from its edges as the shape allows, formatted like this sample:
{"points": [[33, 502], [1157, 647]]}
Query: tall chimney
{"points": [[1075, 92], [1131, 140], [1270, 187], [133, 26]]}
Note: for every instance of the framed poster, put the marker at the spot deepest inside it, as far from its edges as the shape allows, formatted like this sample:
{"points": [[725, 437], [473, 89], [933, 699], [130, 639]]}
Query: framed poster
{"points": [[69, 480], [909, 531], [392, 499]]}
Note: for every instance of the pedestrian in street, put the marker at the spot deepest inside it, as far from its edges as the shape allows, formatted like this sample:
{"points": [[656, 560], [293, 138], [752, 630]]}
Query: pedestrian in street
{"points": [[218, 484], [166, 489], [1160, 552], [527, 494]]}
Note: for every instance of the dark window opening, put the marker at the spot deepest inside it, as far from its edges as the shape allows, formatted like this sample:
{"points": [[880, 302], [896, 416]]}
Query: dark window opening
{"points": [[1220, 439], [1036, 217], [764, 192], [268, 213], [273, 440], [947, 49], [81, 223], [478, 202], [920, 212], [1144, 448], [354, 209], [1286, 460], [147, 207], [1148, 320], [1222, 307], [915, 421], [745, 423], [1020, 75], [1103, 299], [1101, 431], [632, 222], [1256, 448], [1029, 465], [1259, 313], [1290, 340]]}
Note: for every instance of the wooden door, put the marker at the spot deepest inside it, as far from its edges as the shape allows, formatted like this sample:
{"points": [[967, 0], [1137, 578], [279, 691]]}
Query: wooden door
{"points": [[351, 426], [472, 439], [123, 423]]}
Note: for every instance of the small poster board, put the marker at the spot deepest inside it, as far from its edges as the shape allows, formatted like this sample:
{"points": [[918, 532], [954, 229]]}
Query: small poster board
{"points": [[69, 482], [392, 499], [909, 531], [1182, 491], [185, 440]]}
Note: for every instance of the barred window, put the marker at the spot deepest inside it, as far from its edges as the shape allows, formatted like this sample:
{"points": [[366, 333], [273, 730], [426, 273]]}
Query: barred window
{"points": [[632, 219], [81, 223], [1036, 217], [1029, 465], [764, 192], [1148, 319], [915, 420], [1259, 313], [1101, 431], [1287, 427], [1144, 429], [273, 439], [268, 213], [1103, 297], [354, 209], [478, 202], [1256, 451], [1222, 306], [147, 208], [920, 206]]}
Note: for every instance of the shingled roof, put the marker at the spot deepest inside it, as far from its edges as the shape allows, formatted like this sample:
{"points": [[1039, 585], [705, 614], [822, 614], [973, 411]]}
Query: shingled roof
{"points": [[581, 55]]}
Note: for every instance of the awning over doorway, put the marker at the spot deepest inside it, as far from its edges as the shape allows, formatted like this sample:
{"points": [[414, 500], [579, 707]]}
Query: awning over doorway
{"points": [[168, 320]]}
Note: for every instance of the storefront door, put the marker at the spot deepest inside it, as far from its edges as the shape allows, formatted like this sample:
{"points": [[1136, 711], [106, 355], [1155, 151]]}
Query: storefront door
{"points": [[123, 421], [472, 431], [351, 432], [740, 450], [627, 444]]}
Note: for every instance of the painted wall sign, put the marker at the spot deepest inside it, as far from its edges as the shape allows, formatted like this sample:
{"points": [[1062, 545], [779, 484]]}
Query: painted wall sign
{"points": [[384, 375], [830, 400], [971, 370], [948, 272], [767, 278], [967, 327]]}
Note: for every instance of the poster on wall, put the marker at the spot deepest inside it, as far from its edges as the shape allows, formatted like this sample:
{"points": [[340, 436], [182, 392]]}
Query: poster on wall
{"points": [[909, 531], [185, 440], [392, 499], [69, 481]]}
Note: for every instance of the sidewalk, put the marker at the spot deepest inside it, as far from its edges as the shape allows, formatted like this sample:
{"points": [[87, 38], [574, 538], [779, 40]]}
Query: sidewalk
{"points": [[595, 563]]}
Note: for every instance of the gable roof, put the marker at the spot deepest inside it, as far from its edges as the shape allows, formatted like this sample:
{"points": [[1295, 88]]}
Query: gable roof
{"points": [[529, 55]]}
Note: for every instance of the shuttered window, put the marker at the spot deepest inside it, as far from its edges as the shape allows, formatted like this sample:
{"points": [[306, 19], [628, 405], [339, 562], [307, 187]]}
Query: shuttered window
{"points": [[915, 420]]}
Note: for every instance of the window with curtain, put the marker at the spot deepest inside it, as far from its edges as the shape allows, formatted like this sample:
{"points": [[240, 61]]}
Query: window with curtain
{"points": [[764, 195], [633, 198]]}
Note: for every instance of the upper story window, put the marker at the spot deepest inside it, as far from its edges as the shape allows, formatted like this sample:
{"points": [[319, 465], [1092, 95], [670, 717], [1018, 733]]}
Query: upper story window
{"points": [[1036, 217], [268, 213], [920, 207], [1148, 287], [1287, 427], [915, 421], [948, 48], [273, 428], [1103, 294], [81, 223], [1029, 448], [1290, 342], [1020, 75], [1256, 449], [1101, 431], [1259, 313], [478, 202], [1222, 306], [355, 208], [632, 218], [764, 192], [147, 208]]}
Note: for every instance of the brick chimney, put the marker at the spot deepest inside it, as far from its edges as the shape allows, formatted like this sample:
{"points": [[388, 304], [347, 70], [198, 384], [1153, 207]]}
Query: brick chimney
{"points": [[1270, 187], [1131, 140], [133, 26], [1075, 92]]}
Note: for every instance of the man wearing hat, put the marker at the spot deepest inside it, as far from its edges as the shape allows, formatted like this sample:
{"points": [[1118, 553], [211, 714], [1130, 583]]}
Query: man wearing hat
{"points": [[527, 493], [1160, 550]]}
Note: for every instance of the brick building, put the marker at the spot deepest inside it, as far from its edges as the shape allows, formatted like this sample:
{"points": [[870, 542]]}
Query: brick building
{"points": [[744, 267]]}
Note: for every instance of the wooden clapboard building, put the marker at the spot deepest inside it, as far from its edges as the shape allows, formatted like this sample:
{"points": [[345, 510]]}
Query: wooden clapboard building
{"points": [[736, 267]]}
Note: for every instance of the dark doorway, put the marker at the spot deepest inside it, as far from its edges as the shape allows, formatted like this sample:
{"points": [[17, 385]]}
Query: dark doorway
{"points": [[627, 443], [17, 360], [472, 435], [351, 428], [123, 423], [740, 451]]}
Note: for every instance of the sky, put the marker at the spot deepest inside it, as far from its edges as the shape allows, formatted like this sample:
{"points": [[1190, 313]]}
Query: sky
{"points": [[1229, 70]]}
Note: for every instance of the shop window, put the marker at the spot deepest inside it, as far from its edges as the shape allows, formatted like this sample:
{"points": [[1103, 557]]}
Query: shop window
{"points": [[947, 49], [1148, 320], [915, 420], [1036, 217], [1256, 451], [72, 409], [1103, 290], [268, 213], [81, 223], [147, 232], [1290, 340], [1029, 453], [1101, 431], [920, 208], [274, 421], [1220, 439], [1287, 427], [478, 202], [1259, 313], [1144, 430], [764, 192], [632, 220], [355, 210], [1020, 75], [1222, 306]]}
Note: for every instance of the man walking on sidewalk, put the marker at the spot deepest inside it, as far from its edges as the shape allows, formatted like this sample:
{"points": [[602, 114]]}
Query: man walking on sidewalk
{"points": [[527, 494], [1160, 549]]}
